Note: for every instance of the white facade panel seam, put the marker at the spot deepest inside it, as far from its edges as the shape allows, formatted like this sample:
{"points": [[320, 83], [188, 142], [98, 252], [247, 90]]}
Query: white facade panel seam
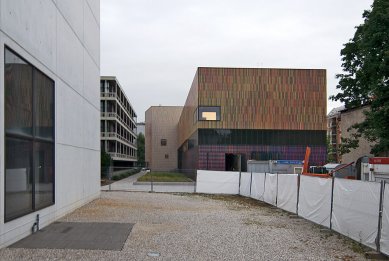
{"points": [[81, 40], [74, 146], [93, 14]]}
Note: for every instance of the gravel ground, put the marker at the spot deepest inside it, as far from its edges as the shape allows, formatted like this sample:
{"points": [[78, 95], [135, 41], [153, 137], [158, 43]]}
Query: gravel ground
{"points": [[200, 227]]}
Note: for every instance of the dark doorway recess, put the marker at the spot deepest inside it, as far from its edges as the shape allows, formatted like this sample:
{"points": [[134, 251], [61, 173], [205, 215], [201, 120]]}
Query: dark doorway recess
{"points": [[232, 162]]}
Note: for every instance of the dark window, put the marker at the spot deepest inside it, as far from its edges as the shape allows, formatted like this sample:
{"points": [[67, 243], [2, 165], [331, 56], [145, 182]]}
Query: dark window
{"points": [[261, 137], [29, 137], [163, 142], [166, 156], [209, 113]]}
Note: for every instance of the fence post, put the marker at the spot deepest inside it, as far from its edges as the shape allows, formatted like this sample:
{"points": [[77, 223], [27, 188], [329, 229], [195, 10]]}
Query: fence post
{"points": [[332, 199], [264, 188], [251, 181], [277, 190], [240, 170], [380, 210], [298, 192], [151, 183], [110, 176]]}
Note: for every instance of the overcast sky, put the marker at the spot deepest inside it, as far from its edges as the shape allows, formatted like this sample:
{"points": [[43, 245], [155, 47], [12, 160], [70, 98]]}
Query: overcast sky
{"points": [[153, 47]]}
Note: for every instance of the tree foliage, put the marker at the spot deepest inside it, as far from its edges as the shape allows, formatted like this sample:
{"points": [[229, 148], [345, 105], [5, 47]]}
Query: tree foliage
{"points": [[365, 77], [330, 151], [105, 159], [141, 149]]}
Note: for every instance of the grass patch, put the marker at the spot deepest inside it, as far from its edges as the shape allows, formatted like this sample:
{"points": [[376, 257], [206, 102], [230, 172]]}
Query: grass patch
{"points": [[164, 177]]}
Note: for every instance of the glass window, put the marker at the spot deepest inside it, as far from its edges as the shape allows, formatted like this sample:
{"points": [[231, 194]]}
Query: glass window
{"points": [[163, 142], [18, 95], [44, 174], [29, 138], [18, 180], [44, 105], [209, 113]]}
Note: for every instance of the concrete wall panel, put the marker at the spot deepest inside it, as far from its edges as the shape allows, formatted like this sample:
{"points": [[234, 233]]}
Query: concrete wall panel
{"points": [[91, 172], [91, 35], [95, 7], [91, 81], [70, 56], [69, 115], [42, 32], [32, 25], [91, 138], [73, 11]]}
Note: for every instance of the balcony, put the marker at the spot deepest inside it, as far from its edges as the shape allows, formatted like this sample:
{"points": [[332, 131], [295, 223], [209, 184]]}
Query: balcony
{"points": [[115, 135], [108, 94], [121, 156], [116, 116]]}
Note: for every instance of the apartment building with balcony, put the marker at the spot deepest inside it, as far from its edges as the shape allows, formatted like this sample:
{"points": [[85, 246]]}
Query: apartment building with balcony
{"points": [[118, 123], [334, 134]]}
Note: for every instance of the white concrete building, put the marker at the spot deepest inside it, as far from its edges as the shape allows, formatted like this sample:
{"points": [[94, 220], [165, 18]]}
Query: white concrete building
{"points": [[50, 115], [118, 123]]}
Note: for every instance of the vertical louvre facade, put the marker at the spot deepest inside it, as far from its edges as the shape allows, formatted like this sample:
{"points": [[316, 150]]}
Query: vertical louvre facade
{"points": [[264, 114]]}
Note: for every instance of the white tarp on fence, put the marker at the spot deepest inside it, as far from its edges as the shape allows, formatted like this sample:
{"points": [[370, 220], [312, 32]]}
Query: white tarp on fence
{"points": [[355, 210], [287, 192], [245, 183], [258, 186], [315, 199], [270, 195], [217, 182], [385, 223]]}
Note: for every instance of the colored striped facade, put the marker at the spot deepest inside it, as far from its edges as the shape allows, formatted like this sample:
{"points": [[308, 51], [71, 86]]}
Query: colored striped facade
{"points": [[258, 113]]}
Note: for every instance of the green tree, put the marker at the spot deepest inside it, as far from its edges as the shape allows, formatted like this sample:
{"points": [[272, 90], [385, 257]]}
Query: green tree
{"points": [[330, 150], [105, 160], [365, 78], [141, 149]]}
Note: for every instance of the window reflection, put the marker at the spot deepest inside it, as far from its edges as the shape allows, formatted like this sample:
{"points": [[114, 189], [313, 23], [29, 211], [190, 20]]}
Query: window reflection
{"points": [[29, 137]]}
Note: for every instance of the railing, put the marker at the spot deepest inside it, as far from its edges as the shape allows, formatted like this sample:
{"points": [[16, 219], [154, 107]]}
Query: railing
{"points": [[116, 135], [114, 95], [108, 94], [116, 116], [119, 155]]}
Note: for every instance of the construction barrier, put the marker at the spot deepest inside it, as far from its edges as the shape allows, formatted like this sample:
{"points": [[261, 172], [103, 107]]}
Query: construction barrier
{"points": [[315, 199], [270, 195], [217, 182], [356, 209], [350, 207], [384, 242], [287, 192], [245, 184], [258, 186]]}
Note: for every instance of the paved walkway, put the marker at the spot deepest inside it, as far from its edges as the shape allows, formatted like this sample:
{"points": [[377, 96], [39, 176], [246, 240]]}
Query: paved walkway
{"points": [[127, 184]]}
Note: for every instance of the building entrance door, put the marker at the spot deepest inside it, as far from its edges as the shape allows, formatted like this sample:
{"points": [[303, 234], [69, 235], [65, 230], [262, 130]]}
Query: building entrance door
{"points": [[232, 162]]}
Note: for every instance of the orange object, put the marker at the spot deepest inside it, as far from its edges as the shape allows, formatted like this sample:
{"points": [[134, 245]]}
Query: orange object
{"points": [[306, 160], [306, 166]]}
